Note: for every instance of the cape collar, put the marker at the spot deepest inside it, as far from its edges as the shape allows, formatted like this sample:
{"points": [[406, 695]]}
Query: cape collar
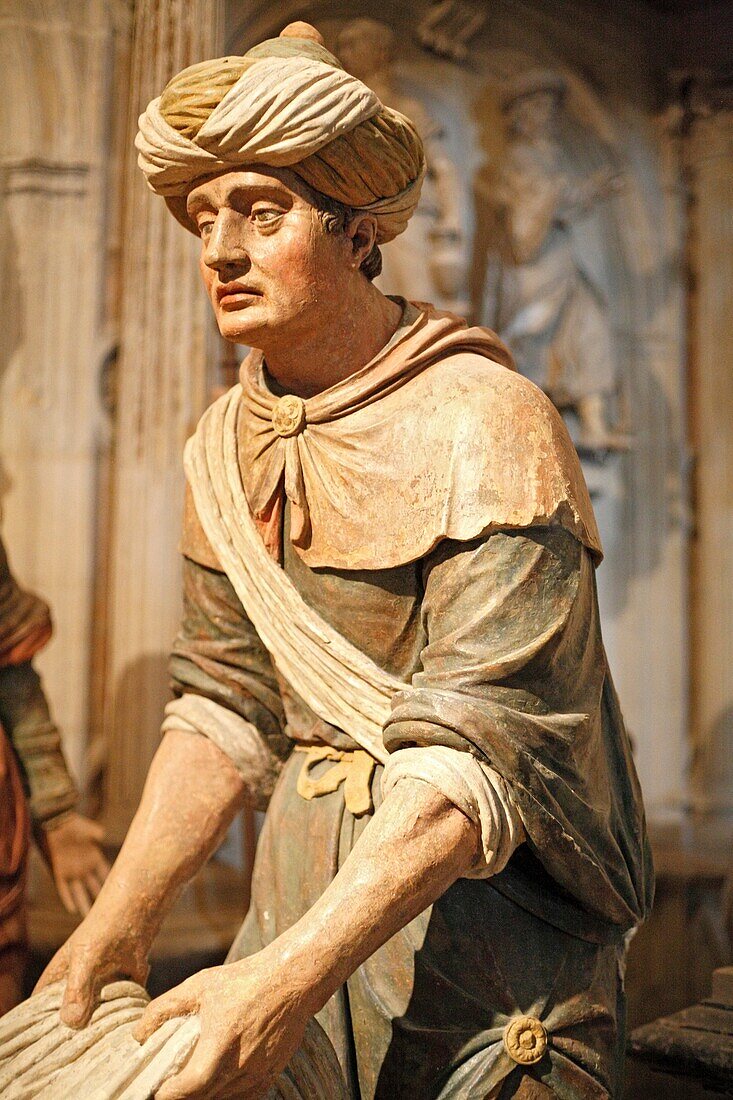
{"points": [[405, 451]]}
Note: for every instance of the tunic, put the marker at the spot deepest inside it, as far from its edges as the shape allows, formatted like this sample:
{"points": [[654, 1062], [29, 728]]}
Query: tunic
{"points": [[525, 600], [498, 640]]}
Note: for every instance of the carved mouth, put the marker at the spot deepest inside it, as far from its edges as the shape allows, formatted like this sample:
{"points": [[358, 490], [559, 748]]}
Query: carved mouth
{"points": [[233, 293]]}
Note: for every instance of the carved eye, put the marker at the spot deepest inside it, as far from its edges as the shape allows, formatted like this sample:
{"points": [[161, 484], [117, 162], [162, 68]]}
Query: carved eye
{"points": [[265, 216]]}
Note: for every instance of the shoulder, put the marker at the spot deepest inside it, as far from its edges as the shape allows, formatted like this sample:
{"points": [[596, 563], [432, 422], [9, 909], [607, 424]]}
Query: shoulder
{"points": [[484, 395], [507, 457], [208, 434]]}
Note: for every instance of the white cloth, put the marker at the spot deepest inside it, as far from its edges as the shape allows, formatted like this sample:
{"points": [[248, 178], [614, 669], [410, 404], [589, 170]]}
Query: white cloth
{"points": [[280, 111], [475, 788], [235, 736], [41, 1057]]}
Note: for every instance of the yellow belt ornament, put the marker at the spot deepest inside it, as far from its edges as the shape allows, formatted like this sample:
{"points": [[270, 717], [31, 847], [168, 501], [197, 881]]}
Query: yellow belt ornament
{"points": [[353, 769]]}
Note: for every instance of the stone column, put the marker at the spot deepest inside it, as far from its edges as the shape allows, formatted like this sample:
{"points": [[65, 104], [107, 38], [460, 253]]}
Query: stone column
{"points": [[161, 391], [57, 66], [710, 174]]}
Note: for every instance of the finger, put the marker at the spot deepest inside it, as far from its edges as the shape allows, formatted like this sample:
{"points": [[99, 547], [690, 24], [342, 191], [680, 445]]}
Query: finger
{"points": [[101, 867], [82, 901], [92, 885], [95, 831], [194, 1080], [175, 1003], [79, 997], [66, 899]]}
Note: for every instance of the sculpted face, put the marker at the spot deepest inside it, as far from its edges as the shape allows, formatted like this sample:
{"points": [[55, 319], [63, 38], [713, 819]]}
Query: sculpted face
{"points": [[364, 48], [269, 266], [533, 115]]}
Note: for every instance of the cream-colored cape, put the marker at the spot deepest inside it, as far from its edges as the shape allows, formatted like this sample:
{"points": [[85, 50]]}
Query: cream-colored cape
{"points": [[437, 437]]}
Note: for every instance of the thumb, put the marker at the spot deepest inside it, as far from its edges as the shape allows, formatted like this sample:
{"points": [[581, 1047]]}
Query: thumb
{"points": [[174, 1003], [78, 1000]]}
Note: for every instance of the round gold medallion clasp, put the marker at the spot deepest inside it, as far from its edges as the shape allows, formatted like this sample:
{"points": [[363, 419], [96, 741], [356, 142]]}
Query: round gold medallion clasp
{"points": [[525, 1040], [288, 416]]}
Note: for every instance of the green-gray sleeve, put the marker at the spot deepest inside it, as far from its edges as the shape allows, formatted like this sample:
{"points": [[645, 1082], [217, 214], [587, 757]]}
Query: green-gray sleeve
{"points": [[218, 653], [514, 671], [25, 717]]}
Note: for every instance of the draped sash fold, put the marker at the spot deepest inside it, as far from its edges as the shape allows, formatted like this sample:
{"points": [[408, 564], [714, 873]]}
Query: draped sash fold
{"points": [[336, 680]]}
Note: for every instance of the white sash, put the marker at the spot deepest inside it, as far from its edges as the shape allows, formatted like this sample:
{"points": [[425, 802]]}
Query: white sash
{"points": [[337, 681]]}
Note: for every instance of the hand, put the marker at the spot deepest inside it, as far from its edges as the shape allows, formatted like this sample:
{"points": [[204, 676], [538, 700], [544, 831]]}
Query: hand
{"points": [[253, 1017], [99, 951], [73, 853]]}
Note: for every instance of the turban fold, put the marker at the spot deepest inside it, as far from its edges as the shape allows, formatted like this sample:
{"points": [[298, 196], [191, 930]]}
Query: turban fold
{"points": [[287, 103]]}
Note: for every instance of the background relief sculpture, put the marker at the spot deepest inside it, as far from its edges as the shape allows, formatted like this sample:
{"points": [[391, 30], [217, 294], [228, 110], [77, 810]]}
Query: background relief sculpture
{"points": [[449, 25], [542, 302], [428, 262]]}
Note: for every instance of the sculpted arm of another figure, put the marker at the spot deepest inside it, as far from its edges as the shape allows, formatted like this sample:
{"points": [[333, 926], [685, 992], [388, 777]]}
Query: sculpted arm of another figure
{"points": [[70, 843]]}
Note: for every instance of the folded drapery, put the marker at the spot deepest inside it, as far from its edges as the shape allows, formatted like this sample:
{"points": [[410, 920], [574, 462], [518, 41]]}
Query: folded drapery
{"points": [[41, 1057], [237, 739], [475, 788]]}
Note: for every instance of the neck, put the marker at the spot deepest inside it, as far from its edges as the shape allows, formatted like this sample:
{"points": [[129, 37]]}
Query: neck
{"points": [[355, 329]]}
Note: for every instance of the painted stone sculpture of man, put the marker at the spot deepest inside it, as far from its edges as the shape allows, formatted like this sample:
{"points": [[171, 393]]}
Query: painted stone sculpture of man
{"points": [[39, 792], [546, 308], [390, 634]]}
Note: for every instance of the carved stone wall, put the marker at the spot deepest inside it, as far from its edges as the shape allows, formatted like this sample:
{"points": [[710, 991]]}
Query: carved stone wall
{"points": [[58, 61], [161, 392]]}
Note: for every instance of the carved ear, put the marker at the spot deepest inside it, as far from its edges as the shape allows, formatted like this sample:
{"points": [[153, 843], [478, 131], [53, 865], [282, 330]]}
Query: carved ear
{"points": [[363, 232]]}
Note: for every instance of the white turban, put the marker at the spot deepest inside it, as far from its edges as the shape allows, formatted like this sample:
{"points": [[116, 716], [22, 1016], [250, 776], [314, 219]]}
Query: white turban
{"points": [[288, 108]]}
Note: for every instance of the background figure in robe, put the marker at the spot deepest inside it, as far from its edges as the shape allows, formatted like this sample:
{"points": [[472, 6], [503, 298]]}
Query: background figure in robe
{"points": [[36, 790], [545, 306], [426, 263]]}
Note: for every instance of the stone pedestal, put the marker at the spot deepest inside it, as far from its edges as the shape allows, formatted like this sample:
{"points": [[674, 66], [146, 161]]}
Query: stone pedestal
{"points": [[696, 1043]]}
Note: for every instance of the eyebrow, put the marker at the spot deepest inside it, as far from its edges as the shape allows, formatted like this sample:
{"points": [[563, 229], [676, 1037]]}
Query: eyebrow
{"points": [[249, 192]]}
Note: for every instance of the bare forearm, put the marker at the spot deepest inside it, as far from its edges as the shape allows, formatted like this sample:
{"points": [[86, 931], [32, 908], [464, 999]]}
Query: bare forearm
{"points": [[415, 847], [254, 1013], [191, 796]]}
